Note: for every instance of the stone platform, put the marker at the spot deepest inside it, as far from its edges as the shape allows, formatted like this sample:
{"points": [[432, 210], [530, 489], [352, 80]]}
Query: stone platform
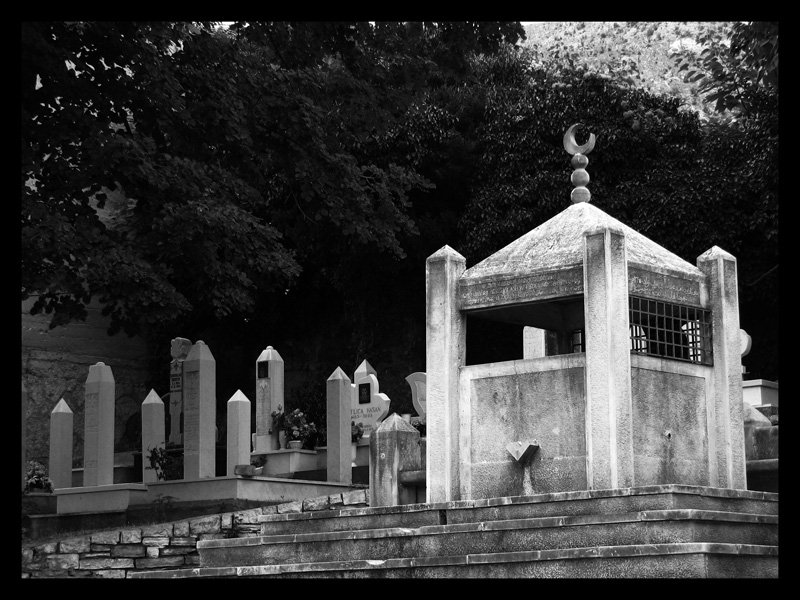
{"points": [[653, 531], [100, 507]]}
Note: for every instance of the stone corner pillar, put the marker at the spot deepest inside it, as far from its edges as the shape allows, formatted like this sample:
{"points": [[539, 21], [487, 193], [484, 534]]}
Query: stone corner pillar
{"points": [[609, 405], [726, 416], [393, 448], [445, 340]]}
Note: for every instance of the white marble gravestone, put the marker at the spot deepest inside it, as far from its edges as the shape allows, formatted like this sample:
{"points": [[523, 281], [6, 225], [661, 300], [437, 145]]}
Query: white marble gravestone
{"points": [[178, 350], [199, 413], [363, 370], [418, 383], [339, 412], [369, 405], [153, 436], [61, 432], [238, 446], [98, 437], [269, 397]]}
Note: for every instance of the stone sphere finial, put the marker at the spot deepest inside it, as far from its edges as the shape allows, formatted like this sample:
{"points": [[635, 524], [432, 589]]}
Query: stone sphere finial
{"points": [[579, 177]]}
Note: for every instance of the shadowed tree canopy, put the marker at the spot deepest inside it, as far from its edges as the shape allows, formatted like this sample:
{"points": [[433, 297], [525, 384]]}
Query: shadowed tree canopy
{"points": [[283, 183], [233, 157]]}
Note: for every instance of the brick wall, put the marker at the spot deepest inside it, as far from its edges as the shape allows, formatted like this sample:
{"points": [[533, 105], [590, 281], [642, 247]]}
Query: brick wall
{"points": [[116, 553]]}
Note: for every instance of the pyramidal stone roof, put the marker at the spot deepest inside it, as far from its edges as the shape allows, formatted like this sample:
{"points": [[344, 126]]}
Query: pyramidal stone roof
{"points": [[558, 244]]}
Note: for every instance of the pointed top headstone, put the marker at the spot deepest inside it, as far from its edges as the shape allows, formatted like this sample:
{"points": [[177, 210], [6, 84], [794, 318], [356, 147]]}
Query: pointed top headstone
{"points": [[100, 372], [269, 353], [339, 374], [363, 370], [199, 351], [238, 396], [61, 407], [153, 398], [395, 422]]}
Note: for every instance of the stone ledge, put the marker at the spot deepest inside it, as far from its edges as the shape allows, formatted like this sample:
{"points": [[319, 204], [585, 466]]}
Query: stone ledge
{"points": [[516, 524], [600, 553]]}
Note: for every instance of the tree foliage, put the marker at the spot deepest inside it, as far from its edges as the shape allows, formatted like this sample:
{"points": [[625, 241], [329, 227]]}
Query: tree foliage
{"points": [[656, 167], [737, 68], [280, 180], [239, 158]]}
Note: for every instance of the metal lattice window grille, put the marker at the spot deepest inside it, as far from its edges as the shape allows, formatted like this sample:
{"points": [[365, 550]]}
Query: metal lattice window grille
{"points": [[670, 330]]}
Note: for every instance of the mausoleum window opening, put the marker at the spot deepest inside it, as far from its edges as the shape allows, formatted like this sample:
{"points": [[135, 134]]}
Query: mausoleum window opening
{"points": [[670, 330], [577, 341]]}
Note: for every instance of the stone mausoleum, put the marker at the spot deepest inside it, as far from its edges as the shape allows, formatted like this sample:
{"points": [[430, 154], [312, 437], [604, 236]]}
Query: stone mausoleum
{"points": [[635, 375]]}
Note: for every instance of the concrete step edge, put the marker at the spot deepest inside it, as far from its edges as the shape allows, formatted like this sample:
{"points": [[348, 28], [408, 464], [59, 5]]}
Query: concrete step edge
{"points": [[501, 524], [597, 552], [583, 495]]}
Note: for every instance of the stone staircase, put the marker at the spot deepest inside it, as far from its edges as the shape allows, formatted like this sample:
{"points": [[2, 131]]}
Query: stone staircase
{"points": [[654, 531]]}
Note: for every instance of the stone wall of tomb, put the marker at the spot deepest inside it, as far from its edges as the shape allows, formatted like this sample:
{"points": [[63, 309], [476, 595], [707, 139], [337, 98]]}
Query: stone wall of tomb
{"points": [[670, 426], [547, 406]]}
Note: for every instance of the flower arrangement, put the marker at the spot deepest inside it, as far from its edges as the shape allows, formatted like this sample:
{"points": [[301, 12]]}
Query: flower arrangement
{"points": [[36, 479], [419, 425], [297, 427], [278, 420], [356, 431]]}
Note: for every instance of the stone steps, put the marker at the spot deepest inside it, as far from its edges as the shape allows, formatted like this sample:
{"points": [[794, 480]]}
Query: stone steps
{"points": [[654, 531], [626, 500], [515, 535], [692, 560]]}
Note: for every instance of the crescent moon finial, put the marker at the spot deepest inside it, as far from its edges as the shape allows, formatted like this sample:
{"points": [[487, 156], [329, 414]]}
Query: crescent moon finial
{"points": [[579, 177], [571, 146]]}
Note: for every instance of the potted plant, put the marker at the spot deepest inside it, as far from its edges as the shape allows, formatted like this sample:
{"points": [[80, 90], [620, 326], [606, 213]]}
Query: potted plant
{"points": [[299, 432], [279, 426], [36, 479], [356, 433]]}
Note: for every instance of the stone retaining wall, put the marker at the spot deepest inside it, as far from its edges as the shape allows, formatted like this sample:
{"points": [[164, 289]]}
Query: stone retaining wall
{"points": [[116, 553]]}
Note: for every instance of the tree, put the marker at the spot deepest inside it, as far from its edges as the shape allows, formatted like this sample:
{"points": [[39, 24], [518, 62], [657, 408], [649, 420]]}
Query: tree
{"points": [[685, 185], [215, 172], [280, 180], [737, 69], [190, 178]]}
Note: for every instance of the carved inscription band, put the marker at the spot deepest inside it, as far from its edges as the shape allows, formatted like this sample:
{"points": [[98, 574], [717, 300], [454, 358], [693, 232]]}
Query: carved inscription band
{"points": [[663, 287], [526, 288], [569, 282]]}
